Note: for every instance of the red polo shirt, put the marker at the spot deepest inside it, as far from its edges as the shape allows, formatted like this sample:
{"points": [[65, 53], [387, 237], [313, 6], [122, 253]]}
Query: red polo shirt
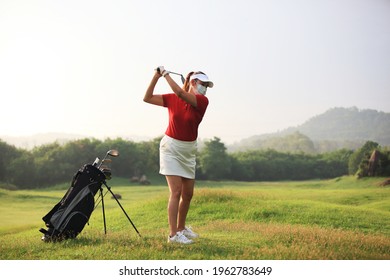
{"points": [[184, 119]]}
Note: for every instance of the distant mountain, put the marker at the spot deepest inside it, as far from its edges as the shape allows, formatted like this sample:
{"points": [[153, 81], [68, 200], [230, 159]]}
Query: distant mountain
{"points": [[334, 129], [350, 124], [31, 141]]}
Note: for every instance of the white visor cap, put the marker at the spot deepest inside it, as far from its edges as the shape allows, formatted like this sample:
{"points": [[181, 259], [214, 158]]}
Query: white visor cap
{"points": [[203, 78]]}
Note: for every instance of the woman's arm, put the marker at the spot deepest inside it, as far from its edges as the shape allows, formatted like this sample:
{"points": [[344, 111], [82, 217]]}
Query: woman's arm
{"points": [[186, 96], [150, 97]]}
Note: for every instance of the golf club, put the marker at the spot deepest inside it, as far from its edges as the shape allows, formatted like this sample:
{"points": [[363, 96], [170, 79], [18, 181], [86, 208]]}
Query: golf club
{"points": [[112, 153], [170, 72], [96, 162]]}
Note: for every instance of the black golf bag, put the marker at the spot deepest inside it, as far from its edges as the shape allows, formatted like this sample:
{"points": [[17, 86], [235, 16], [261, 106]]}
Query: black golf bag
{"points": [[69, 216]]}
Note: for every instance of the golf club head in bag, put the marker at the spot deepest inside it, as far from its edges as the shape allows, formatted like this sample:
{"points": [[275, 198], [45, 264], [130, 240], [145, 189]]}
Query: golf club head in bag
{"points": [[102, 165]]}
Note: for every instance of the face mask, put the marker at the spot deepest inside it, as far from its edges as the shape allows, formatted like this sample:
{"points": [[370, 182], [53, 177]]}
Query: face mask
{"points": [[201, 89]]}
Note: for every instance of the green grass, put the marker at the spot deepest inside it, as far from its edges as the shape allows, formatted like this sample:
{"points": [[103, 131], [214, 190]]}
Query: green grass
{"points": [[339, 219]]}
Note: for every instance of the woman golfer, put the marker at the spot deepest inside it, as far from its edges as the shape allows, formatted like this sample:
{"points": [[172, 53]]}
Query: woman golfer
{"points": [[186, 108]]}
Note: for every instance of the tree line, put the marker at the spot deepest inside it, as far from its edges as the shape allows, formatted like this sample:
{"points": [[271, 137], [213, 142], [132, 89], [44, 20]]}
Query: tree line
{"points": [[55, 163], [51, 164], [272, 165]]}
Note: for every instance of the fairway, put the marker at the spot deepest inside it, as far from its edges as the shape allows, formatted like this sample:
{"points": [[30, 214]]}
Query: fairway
{"points": [[338, 219]]}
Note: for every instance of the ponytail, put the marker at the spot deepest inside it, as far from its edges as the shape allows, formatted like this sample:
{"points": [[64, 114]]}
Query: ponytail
{"points": [[186, 85]]}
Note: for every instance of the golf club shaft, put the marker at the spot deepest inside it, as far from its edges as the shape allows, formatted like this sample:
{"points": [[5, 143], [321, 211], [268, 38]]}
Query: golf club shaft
{"points": [[181, 76], [174, 73]]}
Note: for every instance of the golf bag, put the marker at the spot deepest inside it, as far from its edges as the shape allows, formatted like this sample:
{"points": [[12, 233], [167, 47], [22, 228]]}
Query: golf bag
{"points": [[69, 216]]}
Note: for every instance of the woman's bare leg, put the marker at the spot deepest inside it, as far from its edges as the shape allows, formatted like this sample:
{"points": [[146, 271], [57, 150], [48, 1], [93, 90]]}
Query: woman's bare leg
{"points": [[175, 188], [187, 192]]}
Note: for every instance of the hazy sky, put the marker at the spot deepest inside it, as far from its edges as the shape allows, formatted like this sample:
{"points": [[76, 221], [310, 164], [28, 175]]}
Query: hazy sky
{"points": [[83, 66]]}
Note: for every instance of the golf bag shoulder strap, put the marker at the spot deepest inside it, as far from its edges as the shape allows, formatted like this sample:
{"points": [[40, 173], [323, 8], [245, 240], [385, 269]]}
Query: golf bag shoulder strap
{"points": [[72, 184]]}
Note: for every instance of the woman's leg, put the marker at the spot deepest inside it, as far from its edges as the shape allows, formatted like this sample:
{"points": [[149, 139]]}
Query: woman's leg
{"points": [[175, 189], [187, 192]]}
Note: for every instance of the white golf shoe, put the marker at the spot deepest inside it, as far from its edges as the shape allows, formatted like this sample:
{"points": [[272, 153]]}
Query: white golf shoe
{"points": [[179, 238], [187, 232]]}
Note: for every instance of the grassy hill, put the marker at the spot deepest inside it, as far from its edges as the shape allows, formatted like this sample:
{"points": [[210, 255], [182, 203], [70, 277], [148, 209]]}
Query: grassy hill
{"points": [[338, 219]]}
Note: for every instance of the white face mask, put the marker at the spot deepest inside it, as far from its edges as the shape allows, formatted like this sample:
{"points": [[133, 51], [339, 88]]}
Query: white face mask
{"points": [[201, 89]]}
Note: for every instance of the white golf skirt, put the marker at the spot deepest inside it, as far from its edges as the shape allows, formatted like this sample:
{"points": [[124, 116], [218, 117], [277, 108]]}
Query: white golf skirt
{"points": [[177, 157]]}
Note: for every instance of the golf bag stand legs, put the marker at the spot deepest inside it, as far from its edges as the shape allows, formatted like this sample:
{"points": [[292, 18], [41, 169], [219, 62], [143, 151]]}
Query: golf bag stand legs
{"points": [[104, 214], [127, 216]]}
